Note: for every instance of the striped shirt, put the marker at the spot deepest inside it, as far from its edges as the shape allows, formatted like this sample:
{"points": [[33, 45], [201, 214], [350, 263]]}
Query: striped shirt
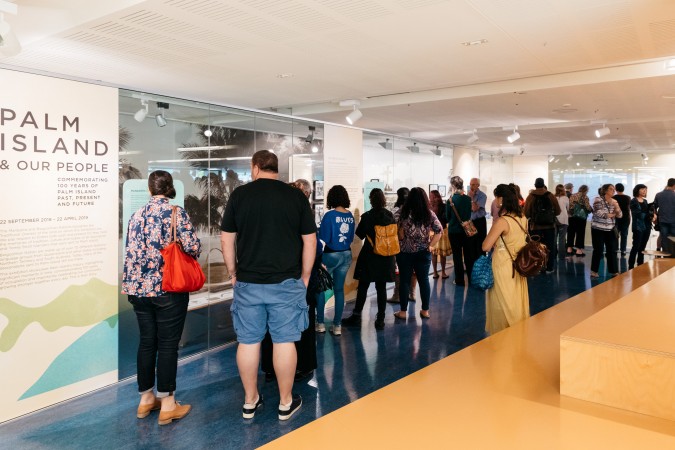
{"points": [[601, 209]]}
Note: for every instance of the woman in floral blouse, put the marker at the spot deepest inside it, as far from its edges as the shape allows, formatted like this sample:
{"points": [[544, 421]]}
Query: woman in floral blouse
{"points": [[160, 315], [416, 224]]}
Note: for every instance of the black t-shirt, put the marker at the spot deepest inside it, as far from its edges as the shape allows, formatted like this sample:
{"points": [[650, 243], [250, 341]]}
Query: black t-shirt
{"points": [[269, 218], [624, 204]]}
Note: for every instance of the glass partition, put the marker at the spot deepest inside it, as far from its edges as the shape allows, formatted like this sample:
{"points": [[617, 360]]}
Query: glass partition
{"points": [[208, 150]]}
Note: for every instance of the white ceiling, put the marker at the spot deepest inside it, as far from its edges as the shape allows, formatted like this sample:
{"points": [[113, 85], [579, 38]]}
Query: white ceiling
{"points": [[549, 66]]}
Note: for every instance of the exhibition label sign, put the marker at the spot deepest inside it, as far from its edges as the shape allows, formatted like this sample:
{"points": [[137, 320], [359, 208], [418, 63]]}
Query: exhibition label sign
{"points": [[58, 240]]}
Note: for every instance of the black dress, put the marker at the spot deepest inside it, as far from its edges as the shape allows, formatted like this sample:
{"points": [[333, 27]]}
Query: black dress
{"points": [[369, 266]]}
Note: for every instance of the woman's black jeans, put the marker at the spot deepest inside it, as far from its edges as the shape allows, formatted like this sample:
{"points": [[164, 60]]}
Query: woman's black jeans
{"points": [[640, 239], [160, 322], [605, 242]]}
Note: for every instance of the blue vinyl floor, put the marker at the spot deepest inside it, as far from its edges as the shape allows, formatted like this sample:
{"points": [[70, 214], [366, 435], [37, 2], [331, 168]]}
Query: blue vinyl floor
{"points": [[350, 366]]}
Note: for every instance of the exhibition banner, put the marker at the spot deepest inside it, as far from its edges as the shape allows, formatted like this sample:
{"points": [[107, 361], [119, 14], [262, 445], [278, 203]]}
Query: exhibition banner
{"points": [[58, 240]]}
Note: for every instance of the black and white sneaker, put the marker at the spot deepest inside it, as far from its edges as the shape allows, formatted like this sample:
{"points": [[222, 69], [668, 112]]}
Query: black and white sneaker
{"points": [[287, 411], [249, 409]]}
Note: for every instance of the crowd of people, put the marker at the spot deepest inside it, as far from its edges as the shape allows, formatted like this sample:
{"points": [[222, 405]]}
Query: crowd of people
{"points": [[276, 256]]}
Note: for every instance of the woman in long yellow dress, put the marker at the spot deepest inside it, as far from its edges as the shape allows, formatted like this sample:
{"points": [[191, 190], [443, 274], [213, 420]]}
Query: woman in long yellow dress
{"points": [[508, 301]]}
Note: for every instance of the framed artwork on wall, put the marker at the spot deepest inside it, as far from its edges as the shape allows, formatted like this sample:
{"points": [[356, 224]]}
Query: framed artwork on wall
{"points": [[318, 190], [318, 214], [433, 187], [441, 190]]}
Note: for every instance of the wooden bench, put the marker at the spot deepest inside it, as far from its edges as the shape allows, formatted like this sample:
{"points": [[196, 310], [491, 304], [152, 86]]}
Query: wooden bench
{"points": [[502, 392], [624, 355]]}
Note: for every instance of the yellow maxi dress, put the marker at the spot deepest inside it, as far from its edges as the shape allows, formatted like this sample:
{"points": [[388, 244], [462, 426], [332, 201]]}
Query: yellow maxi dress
{"points": [[507, 301]]}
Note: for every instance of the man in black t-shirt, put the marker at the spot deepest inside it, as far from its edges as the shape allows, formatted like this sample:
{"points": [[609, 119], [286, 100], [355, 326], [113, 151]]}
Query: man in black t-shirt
{"points": [[622, 222], [273, 228]]}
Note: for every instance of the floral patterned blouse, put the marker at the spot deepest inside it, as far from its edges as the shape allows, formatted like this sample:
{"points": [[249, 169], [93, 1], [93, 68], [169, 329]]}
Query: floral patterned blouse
{"points": [[417, 237], [148, 232]]}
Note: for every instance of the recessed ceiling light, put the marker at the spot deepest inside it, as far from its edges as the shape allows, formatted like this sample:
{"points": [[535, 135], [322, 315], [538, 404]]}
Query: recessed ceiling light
{"points": [[670, 64], [476, 42], [284, 75]]}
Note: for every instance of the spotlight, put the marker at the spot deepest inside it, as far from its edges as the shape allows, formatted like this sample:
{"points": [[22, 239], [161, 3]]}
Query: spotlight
{"points": [[437, 151], [513, 137], [161, 121], [569, 157], [208, 133], [600, 132], [551, 158], [626, 147], [522, 151], [644, 157], [315, 148], [473, 138], [387, 145], [159, 118], [354, 116], [310, 136], [413, 148], [141, 113]]}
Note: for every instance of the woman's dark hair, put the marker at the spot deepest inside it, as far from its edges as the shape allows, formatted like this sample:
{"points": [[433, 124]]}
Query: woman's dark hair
{"points": [[636, 189], [377, 199], [160, 182], [509, 198], [337, 196], [583, 189], [516, 189], [401, 195], [266, 161], [560, 190], [416, 207], [604, 188], [436, 202]]}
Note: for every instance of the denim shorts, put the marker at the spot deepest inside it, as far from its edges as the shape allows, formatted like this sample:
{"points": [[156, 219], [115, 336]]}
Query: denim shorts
{"points": [[281, 308]]}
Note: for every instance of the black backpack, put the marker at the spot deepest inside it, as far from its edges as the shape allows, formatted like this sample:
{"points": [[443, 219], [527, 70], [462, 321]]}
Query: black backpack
{"points": [[542, 210]]}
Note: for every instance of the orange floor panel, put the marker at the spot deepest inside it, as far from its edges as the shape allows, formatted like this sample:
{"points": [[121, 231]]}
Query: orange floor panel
{"points": [[502, 392]]}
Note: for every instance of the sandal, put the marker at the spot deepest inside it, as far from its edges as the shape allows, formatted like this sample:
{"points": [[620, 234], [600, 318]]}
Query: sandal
{"points": [[435, 275], [425, 315], [446, 276], [397, 315]]}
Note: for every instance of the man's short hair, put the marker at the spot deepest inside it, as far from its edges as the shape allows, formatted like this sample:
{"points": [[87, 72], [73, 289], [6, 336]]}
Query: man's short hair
{"points": [[266, 161], [569, 186], [539, 183], [619, 187], [671, 182]]}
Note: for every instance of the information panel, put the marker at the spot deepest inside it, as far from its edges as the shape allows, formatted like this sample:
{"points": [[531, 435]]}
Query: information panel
{"points": [[58, 240]]}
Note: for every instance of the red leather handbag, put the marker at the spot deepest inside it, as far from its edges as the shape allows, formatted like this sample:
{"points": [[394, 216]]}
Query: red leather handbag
{"points": [[181, 272]]}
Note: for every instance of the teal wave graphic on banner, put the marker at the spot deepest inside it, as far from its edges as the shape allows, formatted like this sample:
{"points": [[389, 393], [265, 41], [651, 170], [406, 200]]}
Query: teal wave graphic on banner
{"points": [[93, 354]]}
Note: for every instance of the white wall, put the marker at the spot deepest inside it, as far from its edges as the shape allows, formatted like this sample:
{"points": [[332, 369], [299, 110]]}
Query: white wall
{"points": [[526, 169], [465, 163]]}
